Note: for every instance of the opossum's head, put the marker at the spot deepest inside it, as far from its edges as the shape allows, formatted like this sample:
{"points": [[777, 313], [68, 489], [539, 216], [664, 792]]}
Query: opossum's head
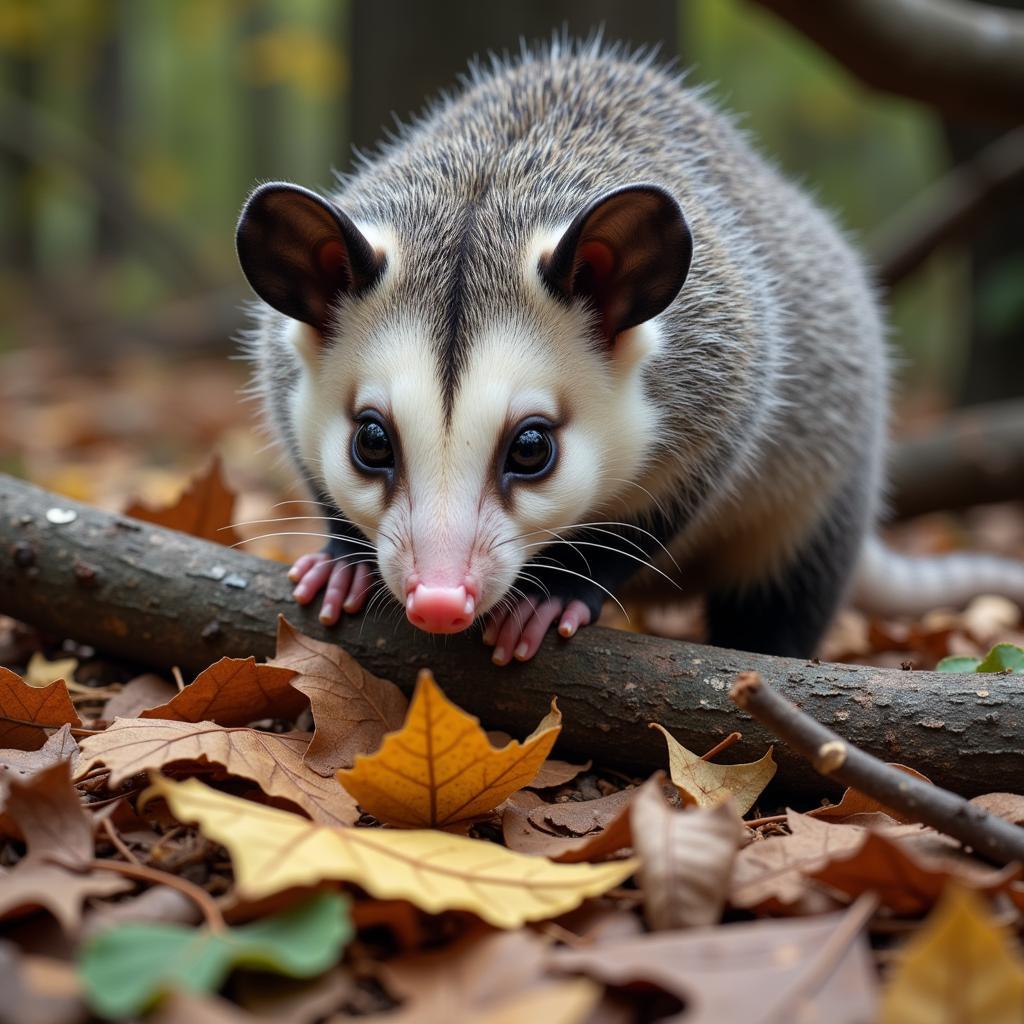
{"points": [[462, 403]]}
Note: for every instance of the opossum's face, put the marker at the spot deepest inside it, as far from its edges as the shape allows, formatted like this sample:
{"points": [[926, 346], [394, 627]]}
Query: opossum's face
{"points": [[460, 475]]}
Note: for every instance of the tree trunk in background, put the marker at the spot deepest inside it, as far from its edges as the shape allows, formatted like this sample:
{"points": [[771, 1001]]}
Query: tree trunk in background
{"points": [[995, 253], [405, 51]]}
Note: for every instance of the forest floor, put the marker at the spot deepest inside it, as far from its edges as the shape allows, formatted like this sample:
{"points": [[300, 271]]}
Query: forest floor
{"points": [[417, 947]]}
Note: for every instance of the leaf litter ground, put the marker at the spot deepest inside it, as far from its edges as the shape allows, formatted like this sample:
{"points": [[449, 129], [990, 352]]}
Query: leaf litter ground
{"points": [[231, 850]]}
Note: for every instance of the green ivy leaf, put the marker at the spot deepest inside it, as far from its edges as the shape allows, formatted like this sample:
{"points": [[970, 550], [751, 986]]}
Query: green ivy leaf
{"points": [[1002, 658], [958, 663], [128, 968]]}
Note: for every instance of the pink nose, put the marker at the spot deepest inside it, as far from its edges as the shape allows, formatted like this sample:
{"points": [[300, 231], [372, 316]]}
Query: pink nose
{"points": [[440, 609]]}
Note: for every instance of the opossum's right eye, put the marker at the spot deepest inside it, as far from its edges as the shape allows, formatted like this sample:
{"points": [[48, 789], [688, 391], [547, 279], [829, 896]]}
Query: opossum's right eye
{"points": [[371, 447]]}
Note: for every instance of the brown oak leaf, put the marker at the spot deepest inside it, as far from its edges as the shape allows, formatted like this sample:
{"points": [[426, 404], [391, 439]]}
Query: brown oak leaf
{"points": [[234, 691], [23, 764], [43, 706], [352, 709], [274, 761]]}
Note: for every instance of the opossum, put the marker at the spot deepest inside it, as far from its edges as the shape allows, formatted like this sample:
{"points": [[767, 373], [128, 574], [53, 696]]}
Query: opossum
{"points": [[568, 337]]}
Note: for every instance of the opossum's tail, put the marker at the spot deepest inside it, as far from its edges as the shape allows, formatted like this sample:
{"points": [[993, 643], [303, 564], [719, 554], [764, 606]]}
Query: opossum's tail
{"points": [[889, 583]]}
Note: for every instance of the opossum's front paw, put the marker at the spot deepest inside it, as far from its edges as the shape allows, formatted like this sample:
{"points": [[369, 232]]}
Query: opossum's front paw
{"points": [[345, 586], [517, 631]]}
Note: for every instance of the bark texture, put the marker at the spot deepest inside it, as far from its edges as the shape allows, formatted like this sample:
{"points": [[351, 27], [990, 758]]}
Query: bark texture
{"points": [[162, 598]]}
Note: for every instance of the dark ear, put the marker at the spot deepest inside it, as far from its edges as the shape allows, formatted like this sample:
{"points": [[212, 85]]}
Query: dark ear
{"points": [[627, 254], [299, 252]]}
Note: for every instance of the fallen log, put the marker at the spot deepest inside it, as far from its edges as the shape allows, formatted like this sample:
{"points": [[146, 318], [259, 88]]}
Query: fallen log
{"points": [[162, 598]]}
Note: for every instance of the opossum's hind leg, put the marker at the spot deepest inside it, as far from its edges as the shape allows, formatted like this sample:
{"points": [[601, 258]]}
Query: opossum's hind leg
{"points": [[788, 615]]}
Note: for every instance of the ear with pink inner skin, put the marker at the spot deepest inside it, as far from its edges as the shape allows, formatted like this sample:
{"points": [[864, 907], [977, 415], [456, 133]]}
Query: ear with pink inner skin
{"points": [[300, 252], [626, 255]]}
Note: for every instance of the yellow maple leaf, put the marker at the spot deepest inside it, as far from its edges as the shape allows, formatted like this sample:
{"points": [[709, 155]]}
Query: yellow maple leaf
{"points": [[959, 967], [705, 783], [440, 768], [273, 850]]}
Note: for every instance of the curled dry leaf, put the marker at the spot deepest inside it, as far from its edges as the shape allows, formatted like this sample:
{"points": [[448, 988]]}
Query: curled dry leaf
{"points": [[46, 707], [205, 509], [557, 773], [961, 966], [814, 969], [906, 866], [580, 817], [901, 878], [234, 691], [440, 769], [686, 858], [705, 783], [352, 709], [853, 801], [272, 760], [48, 814], [1009, 806], [272, 850], [523, 836]]}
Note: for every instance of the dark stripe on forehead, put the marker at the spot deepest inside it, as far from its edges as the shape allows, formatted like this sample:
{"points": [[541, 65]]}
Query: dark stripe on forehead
{"points": [[453, 342]]}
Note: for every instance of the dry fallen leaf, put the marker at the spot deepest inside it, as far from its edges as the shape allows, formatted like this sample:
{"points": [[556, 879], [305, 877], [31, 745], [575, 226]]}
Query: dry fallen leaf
{"points": [[205, 508], [557, 1002], [440, 769], [1005, 805], [557, 773], [581, 817], [815, 969], [961, 966], [853, 801], [272, 850], [770, 875], [902, 879], [705, 783], [138, 694], [686, 858], [523, 836], [47, 811], [23, 764], [41, 672], [272, 760], [234, 691], [352, 709], [48, 706]]}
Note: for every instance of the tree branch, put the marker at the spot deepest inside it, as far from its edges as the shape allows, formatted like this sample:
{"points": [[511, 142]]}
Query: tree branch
{"points": [[966, 59], [950, 209], [974, 458], [162, 598], [990, 837]]}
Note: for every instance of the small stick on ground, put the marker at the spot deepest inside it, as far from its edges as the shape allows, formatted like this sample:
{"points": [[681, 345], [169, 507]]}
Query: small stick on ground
{"points": [[990, 837]]}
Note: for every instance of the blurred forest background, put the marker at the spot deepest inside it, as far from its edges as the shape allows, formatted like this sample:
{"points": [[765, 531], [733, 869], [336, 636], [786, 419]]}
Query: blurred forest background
{"points": [[131, 130]]}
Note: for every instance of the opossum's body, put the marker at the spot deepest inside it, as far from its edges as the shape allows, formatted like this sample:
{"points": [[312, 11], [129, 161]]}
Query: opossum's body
{"points": [[741, 426]]}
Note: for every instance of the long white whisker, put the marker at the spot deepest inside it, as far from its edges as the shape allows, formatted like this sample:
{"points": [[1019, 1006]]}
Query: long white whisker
{"points": [[561, 568], [614, 551]]}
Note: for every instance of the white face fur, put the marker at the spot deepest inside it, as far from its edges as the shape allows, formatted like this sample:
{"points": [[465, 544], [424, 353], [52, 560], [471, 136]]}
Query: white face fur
{"points": [[447, 516]]}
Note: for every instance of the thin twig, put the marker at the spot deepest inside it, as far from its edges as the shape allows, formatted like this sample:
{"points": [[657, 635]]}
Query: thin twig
{"points": [[725, 744], [202, 899], [118, 843], [772, 819], [990, 837]]}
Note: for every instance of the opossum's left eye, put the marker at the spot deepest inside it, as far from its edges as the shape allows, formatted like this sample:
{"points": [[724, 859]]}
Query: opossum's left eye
{"points": [[371, 447], [532, 451]]}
